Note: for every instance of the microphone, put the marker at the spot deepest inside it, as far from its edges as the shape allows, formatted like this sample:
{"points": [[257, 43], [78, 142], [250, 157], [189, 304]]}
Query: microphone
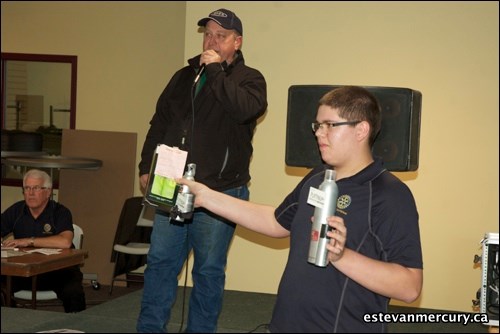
{"points": [[199, 74]]}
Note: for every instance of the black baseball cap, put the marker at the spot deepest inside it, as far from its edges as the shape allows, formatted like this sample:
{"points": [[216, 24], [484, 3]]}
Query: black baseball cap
{"points": [[225, 18]]}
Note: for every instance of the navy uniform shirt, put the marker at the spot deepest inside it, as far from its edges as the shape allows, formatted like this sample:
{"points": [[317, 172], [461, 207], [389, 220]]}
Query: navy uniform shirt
{"points": [[381, 218], [54, 219]]}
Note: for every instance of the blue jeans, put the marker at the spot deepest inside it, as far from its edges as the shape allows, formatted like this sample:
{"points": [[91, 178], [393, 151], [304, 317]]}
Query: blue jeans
{"points": [[209, 236]]}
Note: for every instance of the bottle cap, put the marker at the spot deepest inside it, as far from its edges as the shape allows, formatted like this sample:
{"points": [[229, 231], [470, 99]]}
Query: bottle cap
{"points": [[330, 174], [191, 171]]}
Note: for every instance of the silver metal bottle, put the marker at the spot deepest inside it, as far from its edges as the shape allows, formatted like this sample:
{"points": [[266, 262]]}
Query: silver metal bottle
{"points": [[184, 205], [318, 254]]}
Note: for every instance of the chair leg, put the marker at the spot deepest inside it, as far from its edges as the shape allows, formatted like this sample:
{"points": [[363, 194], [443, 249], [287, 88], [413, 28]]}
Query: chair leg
{"points": [[114, 273], [111, 286]]}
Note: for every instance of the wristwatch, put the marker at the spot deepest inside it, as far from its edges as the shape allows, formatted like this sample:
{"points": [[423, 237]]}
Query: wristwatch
{"points": [[32, 242]]}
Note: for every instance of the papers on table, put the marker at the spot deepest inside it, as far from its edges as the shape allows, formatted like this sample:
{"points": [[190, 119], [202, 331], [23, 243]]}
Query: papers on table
{"points": [[14, 251], [10, 252], [46, 251]]}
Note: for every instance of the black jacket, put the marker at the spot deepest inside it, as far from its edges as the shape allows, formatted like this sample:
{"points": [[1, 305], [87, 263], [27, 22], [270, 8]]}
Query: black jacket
{"points": [[219, 136]]}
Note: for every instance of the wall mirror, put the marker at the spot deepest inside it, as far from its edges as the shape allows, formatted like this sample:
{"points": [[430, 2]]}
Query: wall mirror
{"points": [[38, 102]]}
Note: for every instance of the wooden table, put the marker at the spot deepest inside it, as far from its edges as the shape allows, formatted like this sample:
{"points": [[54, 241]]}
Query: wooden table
{"points": [[33, 264]]}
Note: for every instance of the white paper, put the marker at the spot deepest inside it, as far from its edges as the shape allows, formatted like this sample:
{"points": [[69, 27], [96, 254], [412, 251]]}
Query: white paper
{"points": [[12, 253], [46, 251], [170, 162], [316, 197]]}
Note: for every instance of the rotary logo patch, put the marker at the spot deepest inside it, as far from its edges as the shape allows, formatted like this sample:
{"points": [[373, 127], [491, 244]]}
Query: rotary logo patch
{"points": [[344, 201]]}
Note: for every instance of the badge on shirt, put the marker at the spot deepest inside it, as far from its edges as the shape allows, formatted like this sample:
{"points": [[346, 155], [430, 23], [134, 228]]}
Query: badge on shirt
{"points": [[316, 197], [47, 227]]}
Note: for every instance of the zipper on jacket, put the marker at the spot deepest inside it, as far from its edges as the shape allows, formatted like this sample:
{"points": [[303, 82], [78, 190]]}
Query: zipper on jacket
{"points": [[224, 163]]}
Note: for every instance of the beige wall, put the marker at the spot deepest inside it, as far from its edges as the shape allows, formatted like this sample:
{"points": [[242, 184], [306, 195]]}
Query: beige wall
{"points": [[448, 51]]}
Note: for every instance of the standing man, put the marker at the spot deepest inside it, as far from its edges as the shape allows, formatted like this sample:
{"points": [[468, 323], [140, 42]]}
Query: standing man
{"points": [[374, 253], [38, 221], [209, 109]]}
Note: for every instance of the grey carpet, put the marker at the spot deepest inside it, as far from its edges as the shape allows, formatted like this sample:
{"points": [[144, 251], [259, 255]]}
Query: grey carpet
{"points": [[242, 312]]}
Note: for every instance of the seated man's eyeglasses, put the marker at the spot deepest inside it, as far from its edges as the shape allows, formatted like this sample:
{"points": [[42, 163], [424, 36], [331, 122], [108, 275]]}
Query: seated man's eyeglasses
{"points": [[329, 125], [34, 188]]}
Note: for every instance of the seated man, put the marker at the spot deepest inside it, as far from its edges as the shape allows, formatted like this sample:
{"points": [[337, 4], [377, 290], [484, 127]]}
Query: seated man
{"points": [[38, 221]]}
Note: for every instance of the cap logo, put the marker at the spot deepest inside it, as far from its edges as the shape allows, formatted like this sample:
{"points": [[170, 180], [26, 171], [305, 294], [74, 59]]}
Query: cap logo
{"points": [[225, 18], [218, 13]]}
